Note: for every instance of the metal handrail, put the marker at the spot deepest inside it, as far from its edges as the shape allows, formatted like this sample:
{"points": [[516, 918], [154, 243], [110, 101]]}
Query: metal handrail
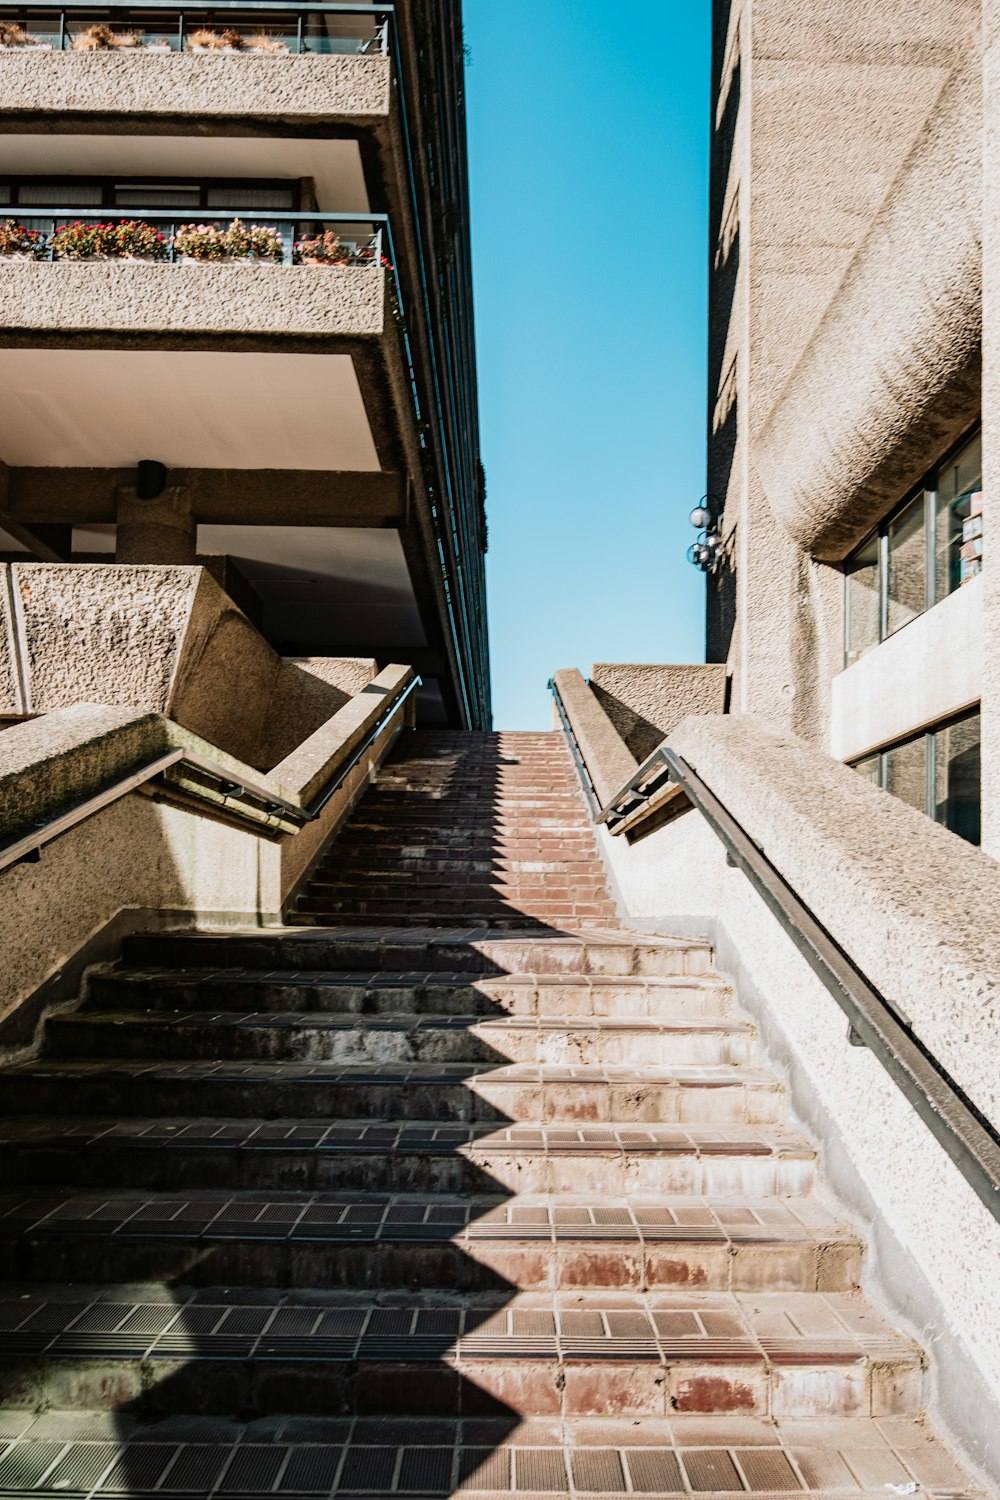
{"points": [[27, 847], [589, 790], [960, 1128]]}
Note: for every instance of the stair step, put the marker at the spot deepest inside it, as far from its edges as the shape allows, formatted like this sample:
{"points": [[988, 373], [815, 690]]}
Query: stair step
{"points": [[413, 1157], [445, 1091], [398, 1038], [489, 1457], [432, 949], [376, 993], [455, 1243]]}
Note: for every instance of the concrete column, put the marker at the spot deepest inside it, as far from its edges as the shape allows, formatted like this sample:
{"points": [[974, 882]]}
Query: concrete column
{"points": [[991, 429], [155, 531]]}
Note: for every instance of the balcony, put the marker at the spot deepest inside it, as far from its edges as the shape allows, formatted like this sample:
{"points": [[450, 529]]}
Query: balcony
{"points": [[299, 62]]}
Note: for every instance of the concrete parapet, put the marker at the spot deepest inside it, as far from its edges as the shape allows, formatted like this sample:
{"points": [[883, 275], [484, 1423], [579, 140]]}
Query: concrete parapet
{"points": [[915, 907], [165, 639], [133, 297], [609, 761], [197, 85], [644, 702]]}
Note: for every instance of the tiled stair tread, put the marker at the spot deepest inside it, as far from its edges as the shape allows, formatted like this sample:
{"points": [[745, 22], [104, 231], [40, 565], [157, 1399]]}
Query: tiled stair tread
{"points": [[427, 1021], [709, 1076], [66, 1452], [768, 1329], [663, 986], [432, 1136], [466, 1218]]}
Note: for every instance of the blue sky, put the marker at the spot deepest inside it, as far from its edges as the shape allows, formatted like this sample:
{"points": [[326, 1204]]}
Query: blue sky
{"points": [[588, 140]]}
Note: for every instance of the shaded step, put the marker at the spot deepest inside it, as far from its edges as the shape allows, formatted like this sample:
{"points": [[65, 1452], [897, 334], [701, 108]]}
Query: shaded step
{"points": [[379, 993], [420, 1156], [399, 1038], [455, 1243], [440, 1091], [50, 1454], [465, 950], [543, 1353]]}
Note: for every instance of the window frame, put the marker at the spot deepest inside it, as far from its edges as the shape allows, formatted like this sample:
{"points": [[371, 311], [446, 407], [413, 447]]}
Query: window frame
{"points": [[928, 487], [928, 734]]}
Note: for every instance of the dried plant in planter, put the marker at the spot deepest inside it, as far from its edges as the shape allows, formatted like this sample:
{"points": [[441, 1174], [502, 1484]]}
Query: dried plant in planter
{"points": [[326, 249], [234, 40], [97, 38], [128, 39], [204, 40], [19, 243], [13, 35], [261, 42]]}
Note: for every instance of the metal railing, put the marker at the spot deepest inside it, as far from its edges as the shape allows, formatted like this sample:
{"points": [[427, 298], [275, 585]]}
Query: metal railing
{"points": [[296, 29], [962, 1130], [27, 847], [362, 237]]}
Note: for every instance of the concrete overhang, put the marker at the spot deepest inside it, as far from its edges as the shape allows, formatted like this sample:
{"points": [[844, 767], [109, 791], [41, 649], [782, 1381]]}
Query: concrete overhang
{"points": [[891, 376], [196, 86]]}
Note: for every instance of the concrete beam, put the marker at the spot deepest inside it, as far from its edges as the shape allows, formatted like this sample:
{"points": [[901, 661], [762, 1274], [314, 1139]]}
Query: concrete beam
{"points": [[220, 497]]}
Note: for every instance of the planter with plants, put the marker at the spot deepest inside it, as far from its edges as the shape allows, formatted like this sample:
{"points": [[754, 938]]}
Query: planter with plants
{"points": [[20, 243], [100, 38], [129, 239], [326, 249], [13, 35], [239, 242]]}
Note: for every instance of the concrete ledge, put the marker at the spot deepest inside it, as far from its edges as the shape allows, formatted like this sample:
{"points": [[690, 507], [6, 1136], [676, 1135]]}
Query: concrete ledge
{"points": [[141, 82], [645, 701], [891, 376], [136, 297], [608, 758], [309, 767], [915, 907], [928, 671]]}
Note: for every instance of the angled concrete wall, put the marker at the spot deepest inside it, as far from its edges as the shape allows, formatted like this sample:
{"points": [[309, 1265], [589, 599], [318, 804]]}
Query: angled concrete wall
{"points": [[644, 701]]}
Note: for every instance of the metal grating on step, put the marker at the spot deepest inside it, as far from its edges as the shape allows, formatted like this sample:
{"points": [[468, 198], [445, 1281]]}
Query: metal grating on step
{"points": [[598, 1470], [540, 1469], [654, 1471], [711, 1469]]}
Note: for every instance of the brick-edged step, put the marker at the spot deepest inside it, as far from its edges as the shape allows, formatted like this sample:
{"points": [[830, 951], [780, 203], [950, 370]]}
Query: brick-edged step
{"points": [[338, 992], [470, 950], [442, 1091], [399, 1038], [58, 1452], [411, 1157], [455, 1243], [541, 1353]]}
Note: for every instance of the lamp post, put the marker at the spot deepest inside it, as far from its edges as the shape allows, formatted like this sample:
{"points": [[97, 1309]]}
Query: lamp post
{"points": [[707, 550]]}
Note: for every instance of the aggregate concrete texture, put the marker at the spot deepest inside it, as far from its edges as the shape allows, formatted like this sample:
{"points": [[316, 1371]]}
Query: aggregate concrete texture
{"points": [[610, 762], [891, 374], [204, 298], [991, 431], [197, 85], [915, 907], [644, 701]]}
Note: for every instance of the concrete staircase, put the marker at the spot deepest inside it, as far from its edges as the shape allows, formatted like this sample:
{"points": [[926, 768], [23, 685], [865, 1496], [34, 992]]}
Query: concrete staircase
{"points": [[453, 1185]]}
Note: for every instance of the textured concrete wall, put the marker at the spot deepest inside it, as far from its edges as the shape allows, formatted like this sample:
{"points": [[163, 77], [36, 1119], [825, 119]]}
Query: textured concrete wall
{"points": [[991, 429], [136, 297], [931, 669], [833, 100], [307, 691], [644, 702], [932, 1247], [609, 761], [201, 85]]}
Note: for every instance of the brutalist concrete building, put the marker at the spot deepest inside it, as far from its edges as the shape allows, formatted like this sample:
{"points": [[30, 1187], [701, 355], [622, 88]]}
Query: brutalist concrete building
{"points": [[852, 245]]}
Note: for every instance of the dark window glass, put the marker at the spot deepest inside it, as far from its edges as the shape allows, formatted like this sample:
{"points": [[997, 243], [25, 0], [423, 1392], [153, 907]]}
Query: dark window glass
{"points": [[906, 772], [959, 519], [957, 786]]}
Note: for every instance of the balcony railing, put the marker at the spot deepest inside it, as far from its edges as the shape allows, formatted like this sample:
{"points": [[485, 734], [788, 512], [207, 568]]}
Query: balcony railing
{"points": [[166, 237], [254, 27]]}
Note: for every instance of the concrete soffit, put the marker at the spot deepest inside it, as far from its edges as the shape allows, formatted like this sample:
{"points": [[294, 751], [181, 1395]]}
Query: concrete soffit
{"points": [[891, 375]]}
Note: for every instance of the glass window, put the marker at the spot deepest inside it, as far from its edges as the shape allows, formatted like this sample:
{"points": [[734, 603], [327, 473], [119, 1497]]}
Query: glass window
{"points": [[907, 583], [926, 550], [937, 772], [906, 772], [957, 778], [863, 602], [959, 519], [61, 194]]}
